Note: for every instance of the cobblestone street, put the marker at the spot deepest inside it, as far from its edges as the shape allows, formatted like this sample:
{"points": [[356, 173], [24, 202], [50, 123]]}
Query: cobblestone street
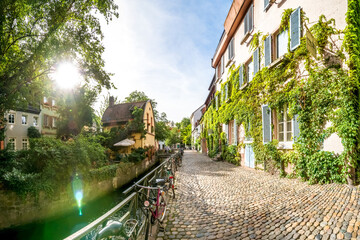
{"points": [[217, 200]]}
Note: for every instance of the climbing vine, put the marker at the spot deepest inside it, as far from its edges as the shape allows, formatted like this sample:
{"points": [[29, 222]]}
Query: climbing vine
{"points": [[321, 92]]}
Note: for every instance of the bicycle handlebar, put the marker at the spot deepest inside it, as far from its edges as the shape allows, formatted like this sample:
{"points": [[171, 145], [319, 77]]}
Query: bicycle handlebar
{"points": [[147, 187]]}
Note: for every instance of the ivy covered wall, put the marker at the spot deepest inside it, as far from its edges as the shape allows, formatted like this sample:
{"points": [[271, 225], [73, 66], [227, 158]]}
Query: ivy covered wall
{"points": [[322, 92]]}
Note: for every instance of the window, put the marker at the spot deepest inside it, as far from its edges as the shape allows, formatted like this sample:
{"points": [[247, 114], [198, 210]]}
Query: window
{"points": [[266, 4], [46, 121], [249, 71], [12, 144], [35, 121], [249, 20], [231, 132], [23, 119], [218, 70], [54, 122], [284, 127], [24, 143], [45, 100], [53, 103], [231, 49], [11, 118], [281, 43]]}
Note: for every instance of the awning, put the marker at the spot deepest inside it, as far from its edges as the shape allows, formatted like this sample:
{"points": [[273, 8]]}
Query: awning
{"points": [[124, 143]]}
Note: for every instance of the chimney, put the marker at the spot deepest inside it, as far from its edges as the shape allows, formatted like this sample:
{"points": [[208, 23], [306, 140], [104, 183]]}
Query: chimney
{"points": [[111, 101]]}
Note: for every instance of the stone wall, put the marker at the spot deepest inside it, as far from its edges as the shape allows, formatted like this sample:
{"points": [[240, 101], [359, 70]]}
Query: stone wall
{"points": [[18, 210]]}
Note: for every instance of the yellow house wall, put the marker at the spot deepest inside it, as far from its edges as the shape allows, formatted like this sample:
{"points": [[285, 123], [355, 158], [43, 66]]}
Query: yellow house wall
{"points": [[149, 139], [148, 119]]}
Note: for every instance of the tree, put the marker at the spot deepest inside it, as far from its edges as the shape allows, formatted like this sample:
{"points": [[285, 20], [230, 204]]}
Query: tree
{"points": [[75, 112], [186, 135], [37, 35], [174, 137], [138, 96], [103, 106], [162, 129]]}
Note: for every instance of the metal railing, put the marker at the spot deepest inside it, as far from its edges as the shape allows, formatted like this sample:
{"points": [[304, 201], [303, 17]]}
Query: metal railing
{"points": [[129, 208]]}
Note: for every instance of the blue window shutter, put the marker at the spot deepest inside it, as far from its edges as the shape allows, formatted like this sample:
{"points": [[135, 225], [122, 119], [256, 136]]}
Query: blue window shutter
{"points": [[295, 29], [241, 76], [266, 122], [251, 18], [296, 130], [226, 91], [246, 23], [267, 50], [256, 61]]}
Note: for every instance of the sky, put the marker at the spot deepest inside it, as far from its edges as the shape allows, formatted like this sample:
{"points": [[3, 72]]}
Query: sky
{"points": [[164, 48]]}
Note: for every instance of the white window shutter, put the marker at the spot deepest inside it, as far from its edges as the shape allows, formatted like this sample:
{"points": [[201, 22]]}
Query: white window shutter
{"points": [[295, 29], [267, 50], [266, 123], [256, 60], [296, 130]]}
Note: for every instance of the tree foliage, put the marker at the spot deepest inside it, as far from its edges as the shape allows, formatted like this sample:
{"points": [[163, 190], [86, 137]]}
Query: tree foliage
{"points": [[75, 112], [174, 137], [37, 35]]}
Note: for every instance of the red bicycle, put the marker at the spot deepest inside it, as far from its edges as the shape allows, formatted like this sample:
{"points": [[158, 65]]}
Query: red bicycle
{"points": [[155, 205]]}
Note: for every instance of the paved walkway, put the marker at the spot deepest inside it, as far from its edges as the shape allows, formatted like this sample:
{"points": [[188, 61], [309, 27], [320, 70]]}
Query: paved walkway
{"points": [[217, 200]]}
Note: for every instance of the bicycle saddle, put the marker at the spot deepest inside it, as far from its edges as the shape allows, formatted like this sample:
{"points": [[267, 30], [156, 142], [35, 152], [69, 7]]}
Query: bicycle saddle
{"points": [[113, 228]]}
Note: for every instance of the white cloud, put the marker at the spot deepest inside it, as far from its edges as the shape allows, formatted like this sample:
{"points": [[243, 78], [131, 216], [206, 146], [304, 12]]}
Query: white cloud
{"points": [[164, 48]]}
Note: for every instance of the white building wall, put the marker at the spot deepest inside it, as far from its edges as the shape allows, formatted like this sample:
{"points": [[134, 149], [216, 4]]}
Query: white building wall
{"points": [[17, 130], [269, 22]]}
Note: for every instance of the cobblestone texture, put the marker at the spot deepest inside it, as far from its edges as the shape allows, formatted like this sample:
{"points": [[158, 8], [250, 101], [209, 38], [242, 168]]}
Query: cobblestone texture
{"points": [[217, 200]]}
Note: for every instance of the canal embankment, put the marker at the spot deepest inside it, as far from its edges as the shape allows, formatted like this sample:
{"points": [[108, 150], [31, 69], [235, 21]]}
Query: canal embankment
{"points": [[19, 210]]}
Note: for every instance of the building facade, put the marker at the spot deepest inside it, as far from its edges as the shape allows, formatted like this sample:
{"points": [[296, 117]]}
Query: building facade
{"points": [[119, 114], [49, 117], [267, 51], [18, 122], [196, 128]]}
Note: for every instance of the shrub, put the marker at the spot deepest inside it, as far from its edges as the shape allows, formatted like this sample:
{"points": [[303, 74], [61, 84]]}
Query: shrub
{"points": [[325, 167], [102, 173], [33, 132], [137, 155]]}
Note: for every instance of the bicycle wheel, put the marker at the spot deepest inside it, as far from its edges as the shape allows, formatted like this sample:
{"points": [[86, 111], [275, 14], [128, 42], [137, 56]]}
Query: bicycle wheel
{"points": [[161, 210], [147, 226]]}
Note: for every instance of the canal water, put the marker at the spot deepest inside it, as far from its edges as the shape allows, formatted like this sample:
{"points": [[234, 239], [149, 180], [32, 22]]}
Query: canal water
{"points": [[63, 226]]}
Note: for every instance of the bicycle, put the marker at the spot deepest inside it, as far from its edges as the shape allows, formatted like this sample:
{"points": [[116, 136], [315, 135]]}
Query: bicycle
{"points": [[118, 230], [156, 206], [170, 180]]}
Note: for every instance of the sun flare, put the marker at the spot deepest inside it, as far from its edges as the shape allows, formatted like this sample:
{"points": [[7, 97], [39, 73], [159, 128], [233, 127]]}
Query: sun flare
{"points": [[67, 75]]}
